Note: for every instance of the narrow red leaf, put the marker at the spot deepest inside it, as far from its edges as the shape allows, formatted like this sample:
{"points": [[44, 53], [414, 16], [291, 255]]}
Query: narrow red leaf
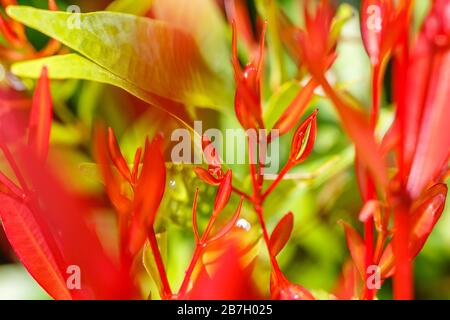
{"points": [[101, 277], [433, 144], [117, 157], [248, 92], [206, 176], [304, 139], [149, 192], [28, 241], [41, 117], [112, 182], [223, 193], [229, 226], [425, 215], [281, 234], [356, 246], [238, 16], [293, 113]]}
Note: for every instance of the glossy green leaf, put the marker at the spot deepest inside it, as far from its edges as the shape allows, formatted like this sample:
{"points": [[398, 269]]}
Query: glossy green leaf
{"points": [[152, 56]]}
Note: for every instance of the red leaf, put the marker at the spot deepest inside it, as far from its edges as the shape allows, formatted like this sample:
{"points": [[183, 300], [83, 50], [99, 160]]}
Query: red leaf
{"points": [[206, 176], [229, 226], [149, 192], [356, 246], [425, 215], [31, 247], [41, 117], [293, 113], [304, 138], [281, 234], [248, 92], [433, 141], [383, 23], [112, 182], [101, 278], [223, 193], [117, 157], [316, 44], [237, 13]]}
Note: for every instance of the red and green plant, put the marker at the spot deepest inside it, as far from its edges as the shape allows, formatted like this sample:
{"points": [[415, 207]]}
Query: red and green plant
{"points": [[165, 60]]}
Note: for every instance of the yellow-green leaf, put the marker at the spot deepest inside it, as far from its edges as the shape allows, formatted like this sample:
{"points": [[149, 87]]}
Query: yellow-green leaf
{"points": [[153, 56]]}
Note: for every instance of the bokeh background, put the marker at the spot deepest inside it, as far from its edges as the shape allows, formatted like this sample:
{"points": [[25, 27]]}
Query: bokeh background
{"points": [[324, 191]]}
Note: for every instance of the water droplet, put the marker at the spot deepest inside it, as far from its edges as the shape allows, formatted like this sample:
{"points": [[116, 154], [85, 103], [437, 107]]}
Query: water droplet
{"points": [[173, 183], [243, 224]]}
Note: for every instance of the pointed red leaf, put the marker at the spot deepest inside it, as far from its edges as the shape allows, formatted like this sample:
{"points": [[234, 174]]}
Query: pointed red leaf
{"points": [[433, 142], [223, 193], [206, 176], [304, 139], [425, 216], [293, 113], [116, 155], [229, 226], [30, 245], [41, 117], [149, 192], [248, 92], [281, 234], [112, 181], [101, 277], [356, 246]]}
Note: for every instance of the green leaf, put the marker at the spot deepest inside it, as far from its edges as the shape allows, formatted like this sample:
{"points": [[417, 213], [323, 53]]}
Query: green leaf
{"points": [[138, 8], [151, 57]]}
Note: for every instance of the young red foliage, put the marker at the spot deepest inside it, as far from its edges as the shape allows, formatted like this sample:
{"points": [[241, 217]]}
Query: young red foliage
{"points": [[41, 117]]}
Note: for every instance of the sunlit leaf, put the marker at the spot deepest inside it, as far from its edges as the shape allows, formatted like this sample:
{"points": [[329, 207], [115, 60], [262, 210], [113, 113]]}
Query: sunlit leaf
{"points": [[138, 8], [151, 55]]}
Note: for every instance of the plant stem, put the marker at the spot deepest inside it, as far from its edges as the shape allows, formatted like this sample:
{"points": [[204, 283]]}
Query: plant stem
{"points": [[403, 278], [167, 292], [258, 200], [196, 256]]}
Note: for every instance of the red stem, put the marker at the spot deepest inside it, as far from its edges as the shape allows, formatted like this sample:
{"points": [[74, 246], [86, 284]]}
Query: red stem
{"points": [[196, 256], [258, 200], [166, 292], [403, 280]]}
